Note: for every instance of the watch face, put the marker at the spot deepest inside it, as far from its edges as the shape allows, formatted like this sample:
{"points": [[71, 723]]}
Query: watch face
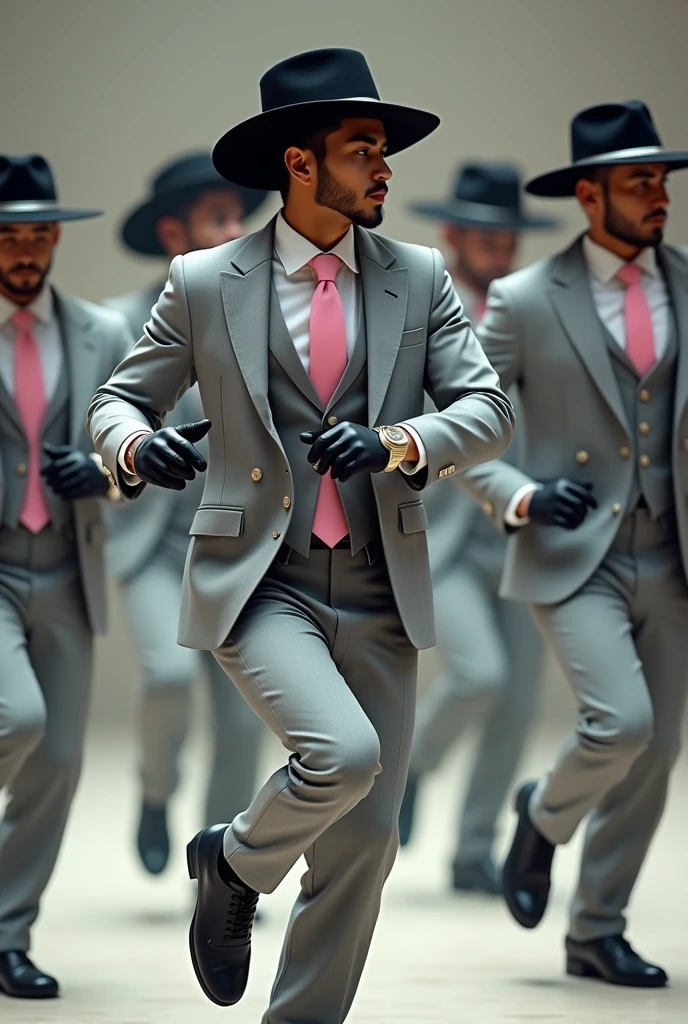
{"points": [[396, 435]]}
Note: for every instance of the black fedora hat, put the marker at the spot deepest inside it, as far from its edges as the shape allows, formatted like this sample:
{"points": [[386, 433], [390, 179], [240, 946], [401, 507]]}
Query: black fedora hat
{"points": [[28, 194], [486, 196], [305, 89], [175, 184], [601, 136]]}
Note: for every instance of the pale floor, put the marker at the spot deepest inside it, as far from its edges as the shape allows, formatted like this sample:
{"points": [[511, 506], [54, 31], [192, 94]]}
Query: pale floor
{"points": [[117, 940]]}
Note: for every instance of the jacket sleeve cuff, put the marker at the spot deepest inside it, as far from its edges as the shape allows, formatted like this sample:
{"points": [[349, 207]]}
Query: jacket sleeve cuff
{"points": [[511, 517]]}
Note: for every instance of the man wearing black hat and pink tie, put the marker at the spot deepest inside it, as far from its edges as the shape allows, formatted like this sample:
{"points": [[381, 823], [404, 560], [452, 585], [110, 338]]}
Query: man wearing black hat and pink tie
{"points": [[54, 350], [489, 648], [596, 342], [190, 207], [312, 342]]}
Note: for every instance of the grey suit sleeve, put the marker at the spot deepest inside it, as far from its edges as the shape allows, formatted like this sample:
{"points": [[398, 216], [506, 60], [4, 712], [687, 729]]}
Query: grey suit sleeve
{"points": [[475, 420], [493, 484], [149, 381]]}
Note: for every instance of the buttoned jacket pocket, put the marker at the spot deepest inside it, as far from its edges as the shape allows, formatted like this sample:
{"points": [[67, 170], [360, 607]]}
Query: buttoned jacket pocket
{"points": [[413, 517]]}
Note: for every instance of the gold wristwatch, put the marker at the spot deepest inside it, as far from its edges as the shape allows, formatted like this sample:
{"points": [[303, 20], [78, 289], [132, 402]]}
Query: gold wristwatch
{"points": [[396, 442]]}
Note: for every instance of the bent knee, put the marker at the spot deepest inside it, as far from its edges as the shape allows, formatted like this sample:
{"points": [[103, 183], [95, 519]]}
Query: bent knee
{"points": [[629, 732], [22, 725]]}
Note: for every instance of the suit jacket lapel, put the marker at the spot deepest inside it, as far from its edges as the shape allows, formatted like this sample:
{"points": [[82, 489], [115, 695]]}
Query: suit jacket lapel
{"points": [[283, 349], [246, 300], [676, 273], [385, 296], [10, 407], [82, 361], [572, 301]]}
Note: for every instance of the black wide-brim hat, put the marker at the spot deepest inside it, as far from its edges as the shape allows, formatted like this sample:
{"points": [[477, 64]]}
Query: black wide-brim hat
{"points": [[311, 89], [28, 194], [178, 183], [603, 136], [486, 196]]}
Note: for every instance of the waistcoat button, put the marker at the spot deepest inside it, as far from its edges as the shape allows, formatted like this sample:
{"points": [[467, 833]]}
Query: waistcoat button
{"points": [[644, 461], [582, 457], [332, 420], [644, 395], [256, 475], [21, 469], [644, 428]]}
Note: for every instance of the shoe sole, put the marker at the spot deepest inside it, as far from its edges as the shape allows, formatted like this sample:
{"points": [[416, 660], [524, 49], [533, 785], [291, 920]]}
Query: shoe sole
{"points": [[521, 807], [27, 995], [582, 969], [192, 865]]}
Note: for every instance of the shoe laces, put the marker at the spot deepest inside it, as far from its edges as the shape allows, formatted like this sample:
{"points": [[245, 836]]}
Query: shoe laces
{"points": [[240, 915], [621, 947]]}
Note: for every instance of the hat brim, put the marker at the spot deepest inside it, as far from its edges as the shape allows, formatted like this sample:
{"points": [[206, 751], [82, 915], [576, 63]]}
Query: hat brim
{"points": [[561, 183], [252, 152], [46, 216], [463, 215], [138, 230]]}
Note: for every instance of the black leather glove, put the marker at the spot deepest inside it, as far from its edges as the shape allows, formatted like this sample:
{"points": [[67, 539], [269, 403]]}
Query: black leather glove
{"points": [[561, 502], [345, 450], [167, 458], [71, 474]]}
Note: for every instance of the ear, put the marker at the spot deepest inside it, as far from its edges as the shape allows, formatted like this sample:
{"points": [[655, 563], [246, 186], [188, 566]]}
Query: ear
{"points": [[171, 233], [589, 195], [451, 234], [301, 164], [57, 233]]}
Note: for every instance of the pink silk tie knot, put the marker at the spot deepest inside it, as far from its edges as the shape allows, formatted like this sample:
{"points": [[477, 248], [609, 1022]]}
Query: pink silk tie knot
{"points": [[328, 357], [640, 338], [29, 397]]}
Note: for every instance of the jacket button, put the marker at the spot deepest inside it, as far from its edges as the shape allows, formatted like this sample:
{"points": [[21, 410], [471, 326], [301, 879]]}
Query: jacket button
{"points": [[286, 501], [582, 457], [625, 452], [21, 469], [256, 475], [276, 534], [644, 461], [616, 508], [644, 428], [332, 420], [644, 395], [488, 508]]}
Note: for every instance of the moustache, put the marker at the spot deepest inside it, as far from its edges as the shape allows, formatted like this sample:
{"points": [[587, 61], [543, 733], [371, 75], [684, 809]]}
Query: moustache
{"points": [[656, 213], [377, 188], [23, 267]]}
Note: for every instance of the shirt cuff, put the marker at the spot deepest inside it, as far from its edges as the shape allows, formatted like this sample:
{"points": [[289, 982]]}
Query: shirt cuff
{"points": [[511, 518], [129, 478], [411, 468]]}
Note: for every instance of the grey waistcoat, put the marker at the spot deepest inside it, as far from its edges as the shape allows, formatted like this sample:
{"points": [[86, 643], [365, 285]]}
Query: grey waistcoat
{"points": [[14, 453], [296, 407], [649, 408]]}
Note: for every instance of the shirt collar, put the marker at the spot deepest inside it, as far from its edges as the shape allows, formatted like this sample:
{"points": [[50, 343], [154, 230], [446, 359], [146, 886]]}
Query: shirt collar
{"points": [[605, 265], [41, 307], [294, 251]]}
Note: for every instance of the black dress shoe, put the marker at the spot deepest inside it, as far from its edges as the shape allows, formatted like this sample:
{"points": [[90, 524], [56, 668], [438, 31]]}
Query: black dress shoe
{"points": [[153, 839], [408, 810], [527, 869], [614, 960], [481, 876], [220, 934], [22, 979]]}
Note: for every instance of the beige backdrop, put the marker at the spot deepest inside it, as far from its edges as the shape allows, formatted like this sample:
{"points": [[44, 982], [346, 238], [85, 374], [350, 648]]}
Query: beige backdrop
{"points": [[108, 89]]}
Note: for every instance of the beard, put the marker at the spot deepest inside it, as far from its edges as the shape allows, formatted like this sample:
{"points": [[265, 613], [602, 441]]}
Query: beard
{"points": [[335, 196], [619, 227], [12, 289]]}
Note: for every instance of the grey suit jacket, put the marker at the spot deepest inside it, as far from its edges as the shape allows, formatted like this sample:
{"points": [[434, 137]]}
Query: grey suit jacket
{"points": [[542, 335], [136, 531], [95, 341], [211, 325]]}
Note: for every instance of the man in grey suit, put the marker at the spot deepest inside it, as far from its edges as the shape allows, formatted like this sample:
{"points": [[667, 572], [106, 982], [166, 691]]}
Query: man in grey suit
{"points": [[490, 649], [596, 341], [54, 350], [312, 342], [190, 207]]}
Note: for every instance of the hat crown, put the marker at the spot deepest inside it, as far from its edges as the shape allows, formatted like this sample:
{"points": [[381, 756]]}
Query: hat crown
{"points": [[26, 178], [610, 127], [329, 74], [490, 185], [189, 169]]}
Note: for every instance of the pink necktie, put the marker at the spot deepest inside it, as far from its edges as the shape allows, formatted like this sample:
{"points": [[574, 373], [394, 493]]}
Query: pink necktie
{"points": [[29, 397], [328, 359], [640, 339]]}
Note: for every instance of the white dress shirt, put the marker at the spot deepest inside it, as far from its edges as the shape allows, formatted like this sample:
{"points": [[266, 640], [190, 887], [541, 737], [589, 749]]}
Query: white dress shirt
{"points": [[46, 331], [295, 284], [608, 296]]}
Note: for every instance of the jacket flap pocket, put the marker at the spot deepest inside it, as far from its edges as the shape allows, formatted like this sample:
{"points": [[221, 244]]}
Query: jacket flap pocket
{"points": [[412, 517], [411, 338], [217, 521]]}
